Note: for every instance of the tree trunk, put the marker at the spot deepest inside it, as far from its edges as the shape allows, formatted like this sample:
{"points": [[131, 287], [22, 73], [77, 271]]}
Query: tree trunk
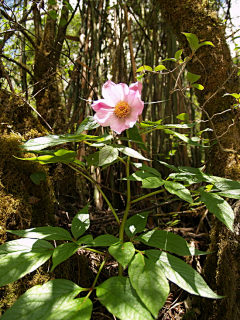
{"points": [[218, 76]]}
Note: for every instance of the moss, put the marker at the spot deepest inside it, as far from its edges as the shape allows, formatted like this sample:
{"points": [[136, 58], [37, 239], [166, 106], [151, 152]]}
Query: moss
{"points": [[22, 203]]}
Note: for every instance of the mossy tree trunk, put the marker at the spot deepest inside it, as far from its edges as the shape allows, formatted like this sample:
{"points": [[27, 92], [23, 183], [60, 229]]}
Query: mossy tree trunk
{"points": [[218, 76]]}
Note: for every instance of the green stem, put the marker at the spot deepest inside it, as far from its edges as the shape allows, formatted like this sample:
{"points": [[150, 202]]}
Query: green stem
{"points": [[96, 251], [100, 190], [99, 271], [128, 205], [147, 195]]}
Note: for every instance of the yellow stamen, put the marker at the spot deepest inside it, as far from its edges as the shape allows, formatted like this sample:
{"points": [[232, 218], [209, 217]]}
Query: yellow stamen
{"points": [[122, 109]]}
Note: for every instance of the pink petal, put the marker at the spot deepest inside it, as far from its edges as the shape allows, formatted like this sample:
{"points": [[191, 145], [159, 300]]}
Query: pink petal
{"points": [[119, 125], [137, 86], [136, 109], [101, 104], [104, 118], [113, 93]]}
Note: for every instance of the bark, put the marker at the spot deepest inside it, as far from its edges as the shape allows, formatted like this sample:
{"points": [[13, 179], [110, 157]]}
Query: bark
{"points": [[48, 48], [218, 76]]}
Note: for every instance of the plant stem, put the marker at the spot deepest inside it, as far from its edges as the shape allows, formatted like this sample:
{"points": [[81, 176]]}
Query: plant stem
{"points": [[121, 229], [99, 271], [147, 195], [100, 190]]}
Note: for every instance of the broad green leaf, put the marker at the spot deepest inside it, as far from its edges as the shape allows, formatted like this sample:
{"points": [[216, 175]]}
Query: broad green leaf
{"points": [[147, 168], [36, 177], [234, 194], [169, 166], [47, 233], [178, 189], [85, 239], [184, 138], [148, 179], [135, 136], [131, 152], [81, 222], [122, 252], [160, 67], [143, 68], [197, 86], [54, 140], [192, 77], [178, 54], [140, 77], [53, 14], [219, 207], [235, 95], [107, 155], [104, 240], [46, 159], [192, 39], [183, 117], [40, 302], [119, 297], [205, 43], [168, 241], [187, 177], [225, 184], [181, 274], [93, 159], [16, 261], [149, 282], [62, 253], [152, 182], [136, 224], [63, 22], [89, 123], [76, 309]]}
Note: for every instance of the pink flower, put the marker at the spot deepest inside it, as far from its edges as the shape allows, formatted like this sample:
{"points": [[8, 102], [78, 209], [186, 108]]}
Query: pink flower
{"points": [[120, 107]]}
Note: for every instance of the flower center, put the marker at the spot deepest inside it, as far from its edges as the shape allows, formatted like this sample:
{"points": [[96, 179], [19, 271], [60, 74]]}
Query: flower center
{"points": [[122, 109]]}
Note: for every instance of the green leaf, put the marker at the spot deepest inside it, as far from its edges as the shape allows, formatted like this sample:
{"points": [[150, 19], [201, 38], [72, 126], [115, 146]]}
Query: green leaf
{"points": [[80, 308], [54, 140], [152, 182], [63, 22], [149, 282], [205, 43], [140, 77], [178, 189], [197, 86], [93, 159], [41, 302], [105, 240], [235, 95], [47, 233], [62, 253], [147, 168], [36, 177], [122, 252], [169, 166], [135, 136], [53, 14], [181, 274], [168, 241], [192, 77], [160, 67], [119, 297], [184, 138], [178, 54], [89, 123], [19, 257], [183, 116], [85, 239], [81, 222], [219, 207], [136, 224], [192, 40], [107, 155], [131, 152], [144, 68], [67, 157]]}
